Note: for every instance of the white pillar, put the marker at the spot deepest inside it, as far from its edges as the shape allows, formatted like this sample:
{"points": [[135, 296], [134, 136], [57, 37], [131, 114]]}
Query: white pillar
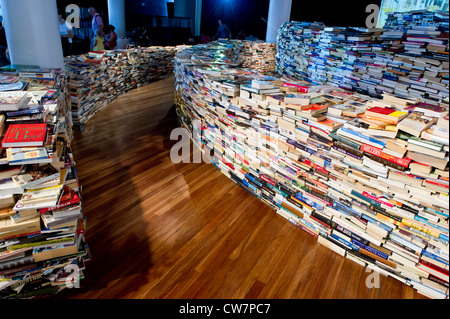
{"points": [[198, 17], [32, 32], [116, 15], [279, 13]]}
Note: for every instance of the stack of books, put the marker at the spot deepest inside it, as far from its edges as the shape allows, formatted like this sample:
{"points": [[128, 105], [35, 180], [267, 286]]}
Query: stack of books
{"points": [[367, 176], [405, 58], [42, 245], [258, 56], [97, 78]]}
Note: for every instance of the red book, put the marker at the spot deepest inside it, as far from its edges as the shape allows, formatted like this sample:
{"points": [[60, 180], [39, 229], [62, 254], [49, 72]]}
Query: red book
{"points": [[80, 227], [378, 152], [74, 199], [386, 113], [381, 110], [320, 222], [433, 269], [25, 135], [300, 88], [267, 179]]}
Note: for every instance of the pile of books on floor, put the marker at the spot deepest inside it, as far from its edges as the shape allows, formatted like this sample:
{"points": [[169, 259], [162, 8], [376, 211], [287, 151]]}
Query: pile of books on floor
{"points": [[42, 226], [368, 176], [407, 59], [97, 78]]}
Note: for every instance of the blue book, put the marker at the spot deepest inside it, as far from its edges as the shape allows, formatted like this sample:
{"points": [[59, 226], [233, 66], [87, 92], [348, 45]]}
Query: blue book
{"points": [[345, 242], [371, 249], [32, 110], [435, 257], [361, 137], [373, 220]]}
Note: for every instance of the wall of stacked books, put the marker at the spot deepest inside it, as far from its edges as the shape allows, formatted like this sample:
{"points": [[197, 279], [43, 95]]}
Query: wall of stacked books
{"points": [[349, 141], [42, 246], [409, 57], [97, 78]]}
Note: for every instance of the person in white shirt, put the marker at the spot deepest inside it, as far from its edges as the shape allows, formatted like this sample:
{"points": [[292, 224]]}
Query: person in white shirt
{"points": [[65, 30]]}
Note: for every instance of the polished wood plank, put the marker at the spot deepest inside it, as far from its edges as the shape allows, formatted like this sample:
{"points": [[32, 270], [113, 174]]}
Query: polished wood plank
{"points": [[162, 230]]}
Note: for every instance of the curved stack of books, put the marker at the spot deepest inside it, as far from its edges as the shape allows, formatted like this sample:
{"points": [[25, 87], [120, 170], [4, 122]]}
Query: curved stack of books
{"points": [[409, 57], [367, 176], [97, 78]]}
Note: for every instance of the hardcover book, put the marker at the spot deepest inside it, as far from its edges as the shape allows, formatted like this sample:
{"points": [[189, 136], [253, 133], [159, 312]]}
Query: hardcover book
{"points": [[25, 135]]}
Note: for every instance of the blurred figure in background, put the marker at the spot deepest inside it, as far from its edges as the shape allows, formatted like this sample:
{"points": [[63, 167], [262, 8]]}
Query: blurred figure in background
{"points": [[97, 24], [65, 30], [111, 38], [99, 42], [4, 60], [223, 31]]}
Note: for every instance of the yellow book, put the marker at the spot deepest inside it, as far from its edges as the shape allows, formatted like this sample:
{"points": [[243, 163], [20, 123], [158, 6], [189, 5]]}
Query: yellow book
{"points": [[398, 114], [425, 230]]}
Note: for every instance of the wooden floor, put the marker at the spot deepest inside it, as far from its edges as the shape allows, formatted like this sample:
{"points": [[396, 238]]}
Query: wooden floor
{"points": [[185, 231]]}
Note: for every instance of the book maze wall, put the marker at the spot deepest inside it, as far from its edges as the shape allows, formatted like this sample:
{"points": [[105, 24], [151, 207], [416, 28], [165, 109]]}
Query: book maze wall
{"points": [[366, 174], [42, 226], [98, 78], [407, 58]]}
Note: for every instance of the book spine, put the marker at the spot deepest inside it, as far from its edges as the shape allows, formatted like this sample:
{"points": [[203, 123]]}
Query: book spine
{"points": [[344, 242], [371, 249], [16, 262], [438, 280], [300, 88], [267, 180], [359, 136], [365, 198], [382, 211], [377, 152], [351, 234], [366, 194], [434, 257], [43, 243], [358, 153], [346, 141], [386, 162], [25, 112], [436, 268], [68, 203], [346, 152]]}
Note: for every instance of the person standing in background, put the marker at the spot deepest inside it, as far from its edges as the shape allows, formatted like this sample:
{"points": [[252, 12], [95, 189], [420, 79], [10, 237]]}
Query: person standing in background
{"points": [[97, 24], [223, 31], [112, 38], [4, 60], [98, 42], [65, 30]]}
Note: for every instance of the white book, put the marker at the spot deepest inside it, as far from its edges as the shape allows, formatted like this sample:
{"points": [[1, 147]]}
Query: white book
{"points": [[355, 229], [401, 260], [325, 242]]}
